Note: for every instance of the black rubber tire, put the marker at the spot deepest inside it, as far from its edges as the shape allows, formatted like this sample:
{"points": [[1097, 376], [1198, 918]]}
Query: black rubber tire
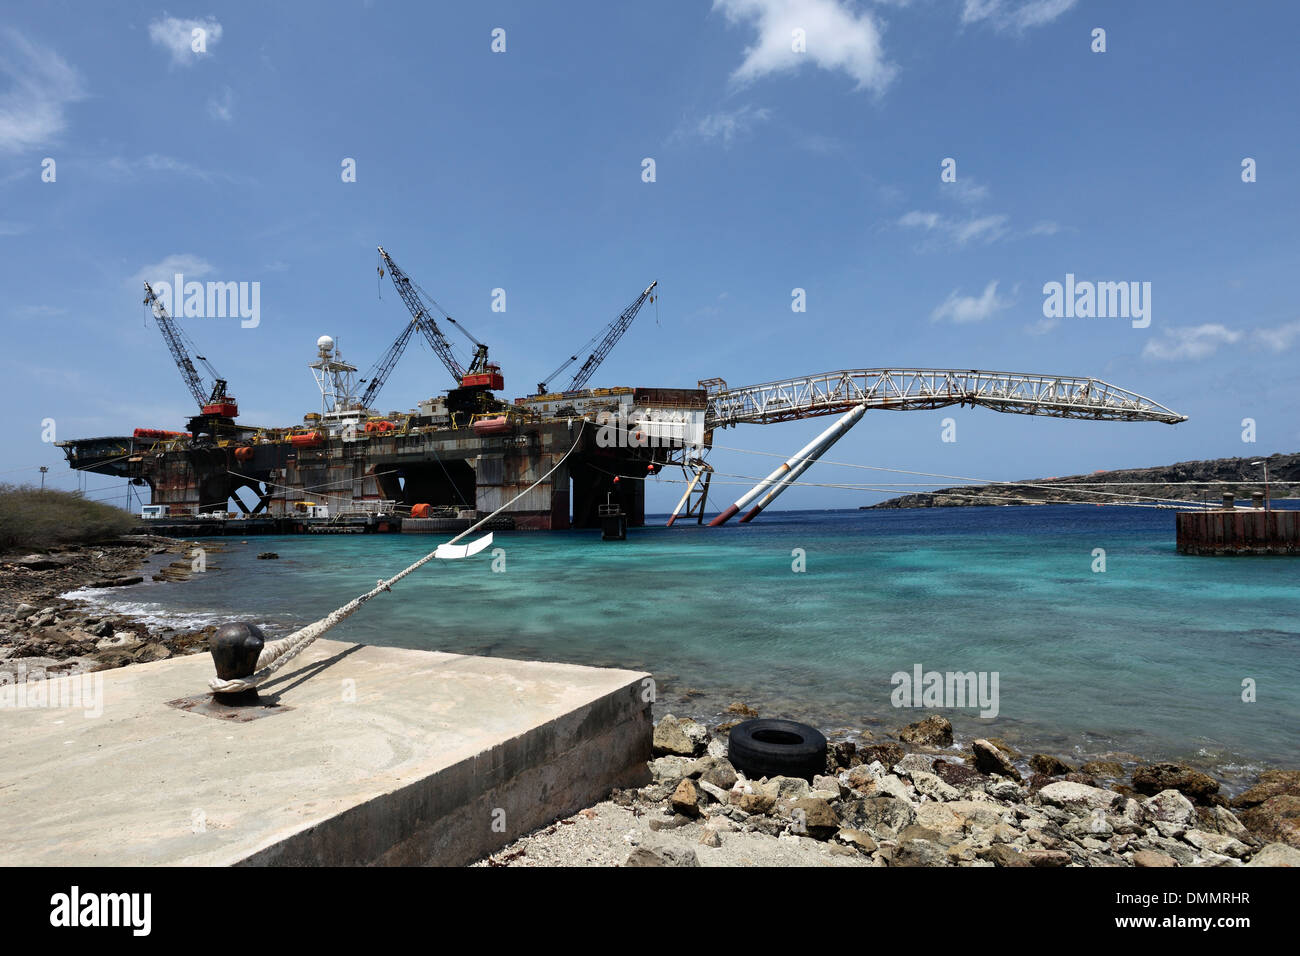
{"points": [[772, 748]]}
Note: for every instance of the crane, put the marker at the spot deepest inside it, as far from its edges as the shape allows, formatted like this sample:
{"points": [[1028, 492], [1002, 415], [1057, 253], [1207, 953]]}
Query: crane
{"points": [[379, 373], [604, 341], [211, 402], [479, 373]]}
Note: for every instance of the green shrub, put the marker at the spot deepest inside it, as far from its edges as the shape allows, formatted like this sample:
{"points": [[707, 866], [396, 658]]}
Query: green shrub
{"points": [[32, 519]]}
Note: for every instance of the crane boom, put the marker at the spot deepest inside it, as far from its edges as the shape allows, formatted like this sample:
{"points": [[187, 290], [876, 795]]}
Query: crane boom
{"points": [[177, 345], [379, 374], [606, 342], [418, 302]]}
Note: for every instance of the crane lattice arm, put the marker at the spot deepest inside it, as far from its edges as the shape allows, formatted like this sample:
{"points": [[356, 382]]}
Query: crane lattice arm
{"points": [[607, 339], [180, 347], [419, 302], [379, 374]]}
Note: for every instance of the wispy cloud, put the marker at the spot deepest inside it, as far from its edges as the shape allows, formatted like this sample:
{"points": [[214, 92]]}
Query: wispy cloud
{"points": [[834, 37], [122, 168], [41, 85], [192, 266], [725, 125], [970, 308], [222, 107], [1278, 339], [957, 231], [1017, 15], [966, 191], [1190, 342], [177, 36]]}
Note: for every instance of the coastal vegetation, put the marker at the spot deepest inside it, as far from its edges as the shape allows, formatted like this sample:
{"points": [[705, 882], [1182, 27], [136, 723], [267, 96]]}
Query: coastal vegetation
{"points": [[35, 519]]}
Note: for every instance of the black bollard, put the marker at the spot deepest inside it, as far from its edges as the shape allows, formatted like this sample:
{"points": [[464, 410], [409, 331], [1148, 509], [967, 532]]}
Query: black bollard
{"points": [[235, 649]]}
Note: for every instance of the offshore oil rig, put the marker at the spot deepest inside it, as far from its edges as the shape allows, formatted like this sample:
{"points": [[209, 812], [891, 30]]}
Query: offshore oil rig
{"points": [[466, 453]]}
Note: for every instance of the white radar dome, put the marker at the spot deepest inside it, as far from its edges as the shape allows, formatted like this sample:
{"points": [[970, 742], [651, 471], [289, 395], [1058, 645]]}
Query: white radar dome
{"points": [[325, 342]]}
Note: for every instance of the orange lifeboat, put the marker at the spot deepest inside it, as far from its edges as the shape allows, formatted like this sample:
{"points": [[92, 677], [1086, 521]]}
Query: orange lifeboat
{"points": [[305, 440], [420, 511], [243, 453], [493, 426]]}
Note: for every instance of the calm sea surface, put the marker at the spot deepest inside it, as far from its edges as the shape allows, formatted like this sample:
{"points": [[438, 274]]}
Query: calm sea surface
{"points": [[1147, 657]]}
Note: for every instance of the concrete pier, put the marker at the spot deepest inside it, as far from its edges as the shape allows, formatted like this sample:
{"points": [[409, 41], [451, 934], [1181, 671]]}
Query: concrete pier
{"points": [[371, 755]]}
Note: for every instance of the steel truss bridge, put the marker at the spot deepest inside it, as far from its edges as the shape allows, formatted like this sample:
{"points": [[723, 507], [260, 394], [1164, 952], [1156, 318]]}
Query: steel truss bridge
{"points": [[903, 389]]}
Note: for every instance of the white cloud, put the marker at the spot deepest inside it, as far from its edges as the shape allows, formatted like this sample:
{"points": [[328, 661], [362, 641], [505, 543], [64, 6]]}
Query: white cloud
{"points": [[966, 191], [835, 38], [1190, 342], [1278, 339], [192, 266], [222, 107], [969, 308], [1042, 326], [958, 231], [1045, 228], [727, 126], [177, 37], [1011, 15], [41, 84]]}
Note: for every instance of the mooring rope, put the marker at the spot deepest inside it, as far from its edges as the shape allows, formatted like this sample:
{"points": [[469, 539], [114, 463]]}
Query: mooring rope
{"points": [[278, 653]]}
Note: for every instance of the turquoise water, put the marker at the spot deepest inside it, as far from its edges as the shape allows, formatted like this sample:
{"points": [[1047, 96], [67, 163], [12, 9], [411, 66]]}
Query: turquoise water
{"points": [[1147, 657]]}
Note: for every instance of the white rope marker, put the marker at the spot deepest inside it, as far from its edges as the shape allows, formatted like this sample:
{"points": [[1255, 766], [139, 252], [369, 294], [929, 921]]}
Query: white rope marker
{"points": [[278, 653]]}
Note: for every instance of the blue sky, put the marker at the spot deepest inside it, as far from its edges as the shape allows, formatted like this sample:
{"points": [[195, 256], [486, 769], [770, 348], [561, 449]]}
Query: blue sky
{"points": [[774, 170]]}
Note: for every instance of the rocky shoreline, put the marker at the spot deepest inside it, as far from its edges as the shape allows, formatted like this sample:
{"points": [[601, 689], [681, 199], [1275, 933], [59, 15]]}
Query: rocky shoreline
{"points": [[43, 634], [918, 801]]}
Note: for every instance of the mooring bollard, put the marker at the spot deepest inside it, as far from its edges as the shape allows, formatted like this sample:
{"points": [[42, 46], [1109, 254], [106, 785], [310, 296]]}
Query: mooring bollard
{"points": [[235, 649]]}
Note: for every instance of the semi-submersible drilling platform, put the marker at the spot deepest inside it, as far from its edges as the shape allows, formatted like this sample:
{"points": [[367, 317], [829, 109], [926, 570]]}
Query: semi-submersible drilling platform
{"points": [[466, 453]]}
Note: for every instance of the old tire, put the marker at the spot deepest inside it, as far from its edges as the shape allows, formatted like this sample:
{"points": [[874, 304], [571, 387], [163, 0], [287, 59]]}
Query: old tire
{"points": [[777, 748]]}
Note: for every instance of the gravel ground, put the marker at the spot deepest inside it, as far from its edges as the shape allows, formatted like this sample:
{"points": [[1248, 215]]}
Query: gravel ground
{"points": [[605, 834]]}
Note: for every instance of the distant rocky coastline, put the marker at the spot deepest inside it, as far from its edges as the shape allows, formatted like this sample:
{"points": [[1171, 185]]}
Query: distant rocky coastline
{"points": [[1185, 481]]}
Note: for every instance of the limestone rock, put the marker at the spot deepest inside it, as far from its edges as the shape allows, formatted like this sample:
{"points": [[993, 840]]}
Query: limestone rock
{"points": [[1049, 766], [661, 856], [1272, 783], [1276, 854], [887, 754], [1151, 859], [1216, 843], [819, 817], [1277, 819], [989, 759], [1078, 797], [933, 787], [1169, 806], [1153, 778], [120, 641], [913, 763], [1111, 769], [669, 769], [687, 799], [684, 737], [933, 731]]}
